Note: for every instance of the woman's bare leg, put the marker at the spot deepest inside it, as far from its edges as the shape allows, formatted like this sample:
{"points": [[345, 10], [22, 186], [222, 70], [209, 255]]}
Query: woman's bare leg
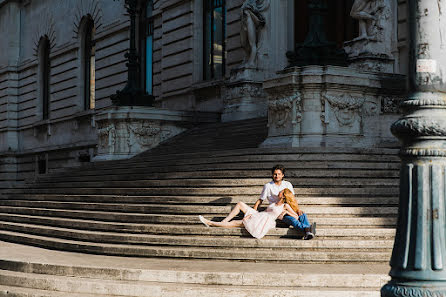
{"points": [[231, 224], [240, 206]]}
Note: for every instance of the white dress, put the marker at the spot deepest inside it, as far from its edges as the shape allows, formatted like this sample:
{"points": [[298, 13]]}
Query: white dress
{"points": [[259, 223]]}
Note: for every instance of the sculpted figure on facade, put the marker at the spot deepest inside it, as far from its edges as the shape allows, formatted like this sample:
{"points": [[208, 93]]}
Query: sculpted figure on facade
{"points": [[253, 22], [366, 12], [372, 49]]}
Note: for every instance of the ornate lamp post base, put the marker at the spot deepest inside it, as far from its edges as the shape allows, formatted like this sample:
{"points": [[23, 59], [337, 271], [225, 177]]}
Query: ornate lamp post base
{"points": [[415, 289]]}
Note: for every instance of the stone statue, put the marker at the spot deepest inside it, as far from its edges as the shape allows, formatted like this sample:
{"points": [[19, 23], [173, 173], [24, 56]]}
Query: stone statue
{"points": [[253, 22], [365, 11], [373, 49]]}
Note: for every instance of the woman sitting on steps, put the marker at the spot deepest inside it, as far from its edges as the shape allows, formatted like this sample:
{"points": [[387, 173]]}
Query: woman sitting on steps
{"points": [[258, 223]]}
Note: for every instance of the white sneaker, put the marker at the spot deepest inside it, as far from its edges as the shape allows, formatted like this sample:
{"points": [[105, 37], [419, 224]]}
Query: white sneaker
{"points": [[309, 236], [203, 220]]}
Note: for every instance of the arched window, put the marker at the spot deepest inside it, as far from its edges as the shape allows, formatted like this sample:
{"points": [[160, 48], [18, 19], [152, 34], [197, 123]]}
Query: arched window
{"points": [[44, 76], [214, 38], [146, 46], [88, 63]]}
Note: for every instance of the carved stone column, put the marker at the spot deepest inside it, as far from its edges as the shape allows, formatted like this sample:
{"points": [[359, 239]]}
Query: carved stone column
{"points": [[419, 254]]}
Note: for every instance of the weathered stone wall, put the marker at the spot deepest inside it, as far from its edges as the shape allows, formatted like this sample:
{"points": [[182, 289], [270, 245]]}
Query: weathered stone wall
{"points": [[69, 132]]}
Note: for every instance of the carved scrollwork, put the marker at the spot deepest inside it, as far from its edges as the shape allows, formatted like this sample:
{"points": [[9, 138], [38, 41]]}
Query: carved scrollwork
{"points": [[284, 109], [419, 127], [393, 290]]}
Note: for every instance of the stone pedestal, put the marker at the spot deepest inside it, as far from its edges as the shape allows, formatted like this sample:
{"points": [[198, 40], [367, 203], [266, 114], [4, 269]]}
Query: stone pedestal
{"points": [[243, 95], [126, 131], [368, 55], [331, 106]]}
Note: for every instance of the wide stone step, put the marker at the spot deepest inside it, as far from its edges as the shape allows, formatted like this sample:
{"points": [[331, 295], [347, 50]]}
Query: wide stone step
{"points": [[186, 209], [189, 165], [327, 245], [56, 285], [14, 291], [189, 172], [223, 182], [235, 174], [152, 218], [287, 255], [26, 266], [217, 191], [170, 224], [223, 200]]}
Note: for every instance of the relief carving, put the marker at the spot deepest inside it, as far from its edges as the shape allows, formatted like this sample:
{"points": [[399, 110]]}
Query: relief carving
{"points": [[145, 133], [284, 109], [107, 135], [345, 108]]}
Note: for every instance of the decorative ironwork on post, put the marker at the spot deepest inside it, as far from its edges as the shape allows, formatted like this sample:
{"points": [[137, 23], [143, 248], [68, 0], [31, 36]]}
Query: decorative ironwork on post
{"points": [[419, 253], [132, 94], [316, 49]]}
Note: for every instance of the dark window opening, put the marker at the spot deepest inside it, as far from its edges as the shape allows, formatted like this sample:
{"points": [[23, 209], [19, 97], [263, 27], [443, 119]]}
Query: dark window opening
{"points": [[89, 65], [45, 66], [214, 38], [42, 166], [340, 26]]}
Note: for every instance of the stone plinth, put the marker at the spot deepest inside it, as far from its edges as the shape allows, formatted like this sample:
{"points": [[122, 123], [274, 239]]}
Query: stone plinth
{"points": [[367, 55], [243, 95], [126, 131], [331, 106]]}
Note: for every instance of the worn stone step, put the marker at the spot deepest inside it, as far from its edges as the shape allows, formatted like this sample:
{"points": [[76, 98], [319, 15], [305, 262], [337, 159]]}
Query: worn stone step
{"points": [[20, 258], [15, 291], [234, 157], [246, 167], [196, 228], [185, 209], [223, 200], [287, 255], [157, 289], [235, 174], [73, 268], [223, 182], [144, 218], [130, 174], [327, 245], [227, 191], [188, 224]]}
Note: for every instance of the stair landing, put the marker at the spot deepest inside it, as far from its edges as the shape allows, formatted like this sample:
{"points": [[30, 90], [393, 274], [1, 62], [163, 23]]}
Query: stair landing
{"points": [[31, 271]]}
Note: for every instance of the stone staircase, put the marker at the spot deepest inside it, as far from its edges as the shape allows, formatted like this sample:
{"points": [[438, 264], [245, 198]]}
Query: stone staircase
{"points": [[147, 206]]}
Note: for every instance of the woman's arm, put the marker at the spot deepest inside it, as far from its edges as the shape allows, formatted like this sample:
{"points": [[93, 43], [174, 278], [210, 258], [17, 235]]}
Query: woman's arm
{"points": [[293, 213]]}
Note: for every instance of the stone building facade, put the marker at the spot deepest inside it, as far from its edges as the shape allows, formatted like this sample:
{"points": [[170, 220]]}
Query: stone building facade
{"points": [[203, 61]]}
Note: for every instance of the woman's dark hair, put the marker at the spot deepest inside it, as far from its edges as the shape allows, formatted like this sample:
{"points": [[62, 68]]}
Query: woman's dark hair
{"points": [[278, 167]]}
